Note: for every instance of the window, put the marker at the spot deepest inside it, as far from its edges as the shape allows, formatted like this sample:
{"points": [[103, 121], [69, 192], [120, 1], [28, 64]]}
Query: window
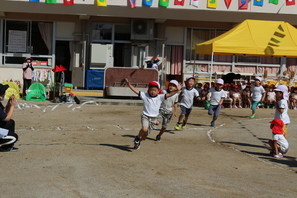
{"points": [[26, 38], [102, 32]]}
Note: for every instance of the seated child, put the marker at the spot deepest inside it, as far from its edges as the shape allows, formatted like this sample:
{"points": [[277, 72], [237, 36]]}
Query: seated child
{"points": [[278, 144], [270, 97], [293, 98], [246, 97], [236, 96], [228, 99]]}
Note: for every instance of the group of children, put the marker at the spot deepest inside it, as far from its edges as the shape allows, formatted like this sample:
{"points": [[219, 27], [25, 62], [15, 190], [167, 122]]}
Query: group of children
{"points": [[159, 106]]}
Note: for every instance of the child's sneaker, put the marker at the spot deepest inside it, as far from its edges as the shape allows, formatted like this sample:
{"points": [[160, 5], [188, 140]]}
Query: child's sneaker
{"points": [[278, 156], [252, 116], [177, 126], [184, 125], [234, 106], [158, 138], [136, 143], [9, 149], [295, 108], [230, 106], [212, 124], [240, 106]]}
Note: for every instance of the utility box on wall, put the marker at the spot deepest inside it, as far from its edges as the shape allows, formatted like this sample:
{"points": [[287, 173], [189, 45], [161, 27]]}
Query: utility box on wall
{"points": [[101, 56]]}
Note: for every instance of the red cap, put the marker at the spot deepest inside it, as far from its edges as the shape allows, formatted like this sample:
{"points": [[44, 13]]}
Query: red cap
{"points": [[278, 125]]}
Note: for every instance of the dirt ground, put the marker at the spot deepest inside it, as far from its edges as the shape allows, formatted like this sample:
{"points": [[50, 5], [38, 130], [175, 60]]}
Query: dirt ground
{"points": [[87, 152]]}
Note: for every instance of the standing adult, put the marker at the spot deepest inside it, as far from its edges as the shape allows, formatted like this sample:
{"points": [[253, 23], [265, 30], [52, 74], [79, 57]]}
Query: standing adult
{"points": [[27, 74]]}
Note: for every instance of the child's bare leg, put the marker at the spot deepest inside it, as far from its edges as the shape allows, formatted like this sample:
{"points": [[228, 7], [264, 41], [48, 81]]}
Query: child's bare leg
{"points": [[180, 118], [143, 133], [271, 144], [162, 130], [185, 121]]}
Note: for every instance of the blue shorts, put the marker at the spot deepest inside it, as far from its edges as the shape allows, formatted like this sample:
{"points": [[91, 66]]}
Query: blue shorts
{"points": [[185, 111]]}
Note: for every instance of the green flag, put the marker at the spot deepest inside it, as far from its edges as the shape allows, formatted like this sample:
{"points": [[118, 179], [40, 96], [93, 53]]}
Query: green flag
{"points": [[51, 1], [273, 2], [164, 3]]}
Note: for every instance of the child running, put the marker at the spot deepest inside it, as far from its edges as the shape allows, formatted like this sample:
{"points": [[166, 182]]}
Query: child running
{"points": [[188, 93], [281, 107], [258, 95], [216, 99], [279, 145], [152, 101], [168, 107]]}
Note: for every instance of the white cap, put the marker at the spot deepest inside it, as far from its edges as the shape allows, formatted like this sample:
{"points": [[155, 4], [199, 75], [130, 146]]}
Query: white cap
{"points": [[220, 81], [190, 77], [258, 78], [284, 89], [174, 82]]}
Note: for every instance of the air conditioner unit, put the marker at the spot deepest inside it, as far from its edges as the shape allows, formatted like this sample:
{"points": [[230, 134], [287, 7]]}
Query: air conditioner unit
{"points": [[142, 29]]}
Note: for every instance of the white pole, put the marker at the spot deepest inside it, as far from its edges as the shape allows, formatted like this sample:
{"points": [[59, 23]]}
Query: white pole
{"points": [[211, 64]]}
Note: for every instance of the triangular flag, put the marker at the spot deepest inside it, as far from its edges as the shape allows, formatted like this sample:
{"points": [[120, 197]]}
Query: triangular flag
{"points": [[258, 2], [179, 2], [227, 3], [273, 2], [243, 4], [290, 2], [147, 2], [194, 3], [34, 1], [101, 3], [212, 3], [68, 2], [59, 68], [51, 1], [132, 3], [164, 3]]}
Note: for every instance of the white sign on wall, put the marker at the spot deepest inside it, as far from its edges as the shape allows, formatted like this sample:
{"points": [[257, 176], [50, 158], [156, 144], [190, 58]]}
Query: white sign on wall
{"points": [[17, 41]]}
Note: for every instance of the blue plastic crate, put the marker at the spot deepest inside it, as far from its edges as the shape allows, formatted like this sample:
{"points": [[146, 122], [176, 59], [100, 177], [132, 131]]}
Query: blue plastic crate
{"points": [[94, 79]]}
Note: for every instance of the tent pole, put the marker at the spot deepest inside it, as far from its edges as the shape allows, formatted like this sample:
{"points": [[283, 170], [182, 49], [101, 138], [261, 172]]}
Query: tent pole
{"points": [[210, 73]]}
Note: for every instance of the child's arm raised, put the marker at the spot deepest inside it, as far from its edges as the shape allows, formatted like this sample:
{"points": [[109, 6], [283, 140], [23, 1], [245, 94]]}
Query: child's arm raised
{"points": [[131, 86]]}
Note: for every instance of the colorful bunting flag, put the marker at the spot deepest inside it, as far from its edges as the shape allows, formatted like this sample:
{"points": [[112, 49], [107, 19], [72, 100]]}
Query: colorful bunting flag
{"points": [[194, 3], [164, 3], [68, 2], [51, 1], [273, 2], [101, 3], [243, 4], [258, 2], [179, 2], [212, 4], [147, 2], [133, 3], [227, 3], [290, 2], [34, 1]]}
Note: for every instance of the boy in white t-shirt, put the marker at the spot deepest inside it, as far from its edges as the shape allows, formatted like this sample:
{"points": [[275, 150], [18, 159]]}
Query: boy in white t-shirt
{"points": [[258, 95], [152, 101], [188, 94], [168, 108], [279, 145], [216, 99], [281, 107]]}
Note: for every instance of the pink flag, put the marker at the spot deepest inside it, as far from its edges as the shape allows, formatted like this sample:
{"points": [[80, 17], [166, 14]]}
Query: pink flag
{"points": [[243, 4], [133, 3]]}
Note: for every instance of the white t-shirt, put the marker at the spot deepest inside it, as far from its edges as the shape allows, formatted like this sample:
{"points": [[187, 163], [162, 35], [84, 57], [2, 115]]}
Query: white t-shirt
{"points": [[282, 104], [155, 66], [257, 92], [216, 96], [281, 140], [151, 105], [169, 102], [188, 98], [271, 95]]}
